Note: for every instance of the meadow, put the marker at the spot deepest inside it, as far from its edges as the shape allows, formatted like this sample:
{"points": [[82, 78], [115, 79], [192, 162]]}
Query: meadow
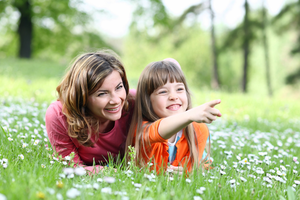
{"points": [[255, 148]]}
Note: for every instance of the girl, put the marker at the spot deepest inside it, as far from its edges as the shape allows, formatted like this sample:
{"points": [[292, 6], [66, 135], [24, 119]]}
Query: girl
{"points": [[92, 114], [165, 129]]}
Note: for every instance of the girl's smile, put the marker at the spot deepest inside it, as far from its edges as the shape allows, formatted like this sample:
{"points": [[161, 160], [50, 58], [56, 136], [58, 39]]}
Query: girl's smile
{"points": [[174, 107]]}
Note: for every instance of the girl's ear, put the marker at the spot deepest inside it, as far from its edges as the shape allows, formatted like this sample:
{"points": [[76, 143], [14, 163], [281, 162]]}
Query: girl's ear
{"points": [[173, 61]]}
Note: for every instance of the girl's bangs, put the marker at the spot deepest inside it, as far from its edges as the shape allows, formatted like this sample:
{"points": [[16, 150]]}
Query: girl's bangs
{"points": [[160, 74]]}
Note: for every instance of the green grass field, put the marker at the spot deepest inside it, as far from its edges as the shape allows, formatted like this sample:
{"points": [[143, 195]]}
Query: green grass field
{"points": [[255, 148]]}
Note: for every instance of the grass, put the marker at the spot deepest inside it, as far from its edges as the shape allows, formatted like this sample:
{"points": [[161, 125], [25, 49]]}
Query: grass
{"points": [[30, 80], [257, 140]]}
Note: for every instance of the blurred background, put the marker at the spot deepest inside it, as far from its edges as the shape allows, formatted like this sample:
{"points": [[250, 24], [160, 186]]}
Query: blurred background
{"points": [[230, 46]]}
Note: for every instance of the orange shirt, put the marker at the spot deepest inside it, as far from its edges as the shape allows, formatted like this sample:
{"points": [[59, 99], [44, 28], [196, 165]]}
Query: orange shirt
{"points": [[158, 151]]}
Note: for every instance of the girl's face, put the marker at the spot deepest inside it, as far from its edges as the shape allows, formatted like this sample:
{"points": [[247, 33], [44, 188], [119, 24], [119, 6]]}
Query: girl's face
{"points": [[107, 102], [169, 99]]}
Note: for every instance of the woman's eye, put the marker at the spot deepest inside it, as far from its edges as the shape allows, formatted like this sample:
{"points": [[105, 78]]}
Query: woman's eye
{"points": [[101, 94], [119, 87]]}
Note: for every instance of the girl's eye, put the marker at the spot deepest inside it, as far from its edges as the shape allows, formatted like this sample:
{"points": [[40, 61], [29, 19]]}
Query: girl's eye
{"points": [[180, 89], [162, 92]]}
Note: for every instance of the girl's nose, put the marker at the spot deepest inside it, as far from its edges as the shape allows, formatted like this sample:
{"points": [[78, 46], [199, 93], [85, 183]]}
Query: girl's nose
{"points": [[173, 96]]}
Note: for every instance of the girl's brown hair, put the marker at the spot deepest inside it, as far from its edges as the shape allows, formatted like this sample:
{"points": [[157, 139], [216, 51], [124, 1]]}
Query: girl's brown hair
{"points": [[155, 75], [83, 78]]}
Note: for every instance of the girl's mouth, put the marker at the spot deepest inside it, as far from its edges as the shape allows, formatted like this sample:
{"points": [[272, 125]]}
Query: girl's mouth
{"points": [[174, 107]]}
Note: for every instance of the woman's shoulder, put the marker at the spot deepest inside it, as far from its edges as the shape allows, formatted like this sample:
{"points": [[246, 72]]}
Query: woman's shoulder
{"points": [[55, 105], [54, 109]]}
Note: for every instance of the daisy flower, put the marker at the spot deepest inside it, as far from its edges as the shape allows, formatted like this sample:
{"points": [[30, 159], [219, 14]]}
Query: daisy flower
{"points": [[197, 198], [24, 145], [243, 179], [73, 193], [106, 190], [109, 179], [59, 184], [222, 172]]}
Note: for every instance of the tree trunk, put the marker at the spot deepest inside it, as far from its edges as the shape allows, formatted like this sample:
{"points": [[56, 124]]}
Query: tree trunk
{"points": [[215, 82], [266, 51], [246, 48], [24, 28]]}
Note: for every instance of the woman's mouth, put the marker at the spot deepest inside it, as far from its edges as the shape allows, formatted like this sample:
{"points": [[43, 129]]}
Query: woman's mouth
{"points": [[113, 110]]}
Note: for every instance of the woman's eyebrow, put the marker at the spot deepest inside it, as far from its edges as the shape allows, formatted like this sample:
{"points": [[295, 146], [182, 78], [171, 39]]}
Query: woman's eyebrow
{"points": [[103, 90], [119, 84]]}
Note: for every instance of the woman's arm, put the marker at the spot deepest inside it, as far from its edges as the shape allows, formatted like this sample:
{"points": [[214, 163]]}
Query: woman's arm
{"points": [[58, 134]]}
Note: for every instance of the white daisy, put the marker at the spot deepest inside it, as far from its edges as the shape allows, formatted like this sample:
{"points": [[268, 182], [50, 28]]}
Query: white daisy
{"points": [[73, 193]]}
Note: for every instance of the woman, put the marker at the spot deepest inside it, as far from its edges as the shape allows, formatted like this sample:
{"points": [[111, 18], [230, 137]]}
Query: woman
{"points": [[93, 112]]}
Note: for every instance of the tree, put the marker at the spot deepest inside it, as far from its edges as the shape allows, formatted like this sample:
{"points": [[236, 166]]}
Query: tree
{"points": [[215, 83], [242, 37], [290, 18], [246, 47], [266, 49], [56, 27], [24, 28]]}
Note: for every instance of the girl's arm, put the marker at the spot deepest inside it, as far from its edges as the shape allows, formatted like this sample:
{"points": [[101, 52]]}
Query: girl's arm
{"points": [[205, 113]]}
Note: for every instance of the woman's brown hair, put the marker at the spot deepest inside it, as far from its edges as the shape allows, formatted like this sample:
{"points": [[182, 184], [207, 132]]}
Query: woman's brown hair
{"points": [[82, 79]]}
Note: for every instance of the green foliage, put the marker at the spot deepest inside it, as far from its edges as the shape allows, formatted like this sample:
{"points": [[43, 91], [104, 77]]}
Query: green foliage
{"points": [[292, 78], [289, 19], [61, 29], [193, 54], [150, 14]]}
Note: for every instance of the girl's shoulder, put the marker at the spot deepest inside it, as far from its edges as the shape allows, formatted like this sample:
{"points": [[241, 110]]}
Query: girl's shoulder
{"points": [[200, 127]]}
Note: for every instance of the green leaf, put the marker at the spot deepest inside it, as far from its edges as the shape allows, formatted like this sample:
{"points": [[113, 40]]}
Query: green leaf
{"points": [[3, 131], [291, 194], [281, 198]]}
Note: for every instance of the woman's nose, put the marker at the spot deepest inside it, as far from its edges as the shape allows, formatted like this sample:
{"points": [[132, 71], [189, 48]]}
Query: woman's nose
{"points": [[114, 99]]}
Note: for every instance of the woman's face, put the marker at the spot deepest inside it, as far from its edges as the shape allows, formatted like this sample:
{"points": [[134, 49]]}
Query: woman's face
{"points": [[108, 101]]}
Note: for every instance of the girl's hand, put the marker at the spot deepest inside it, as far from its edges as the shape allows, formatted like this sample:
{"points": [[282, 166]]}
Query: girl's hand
{"points": [[206, 113]]}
